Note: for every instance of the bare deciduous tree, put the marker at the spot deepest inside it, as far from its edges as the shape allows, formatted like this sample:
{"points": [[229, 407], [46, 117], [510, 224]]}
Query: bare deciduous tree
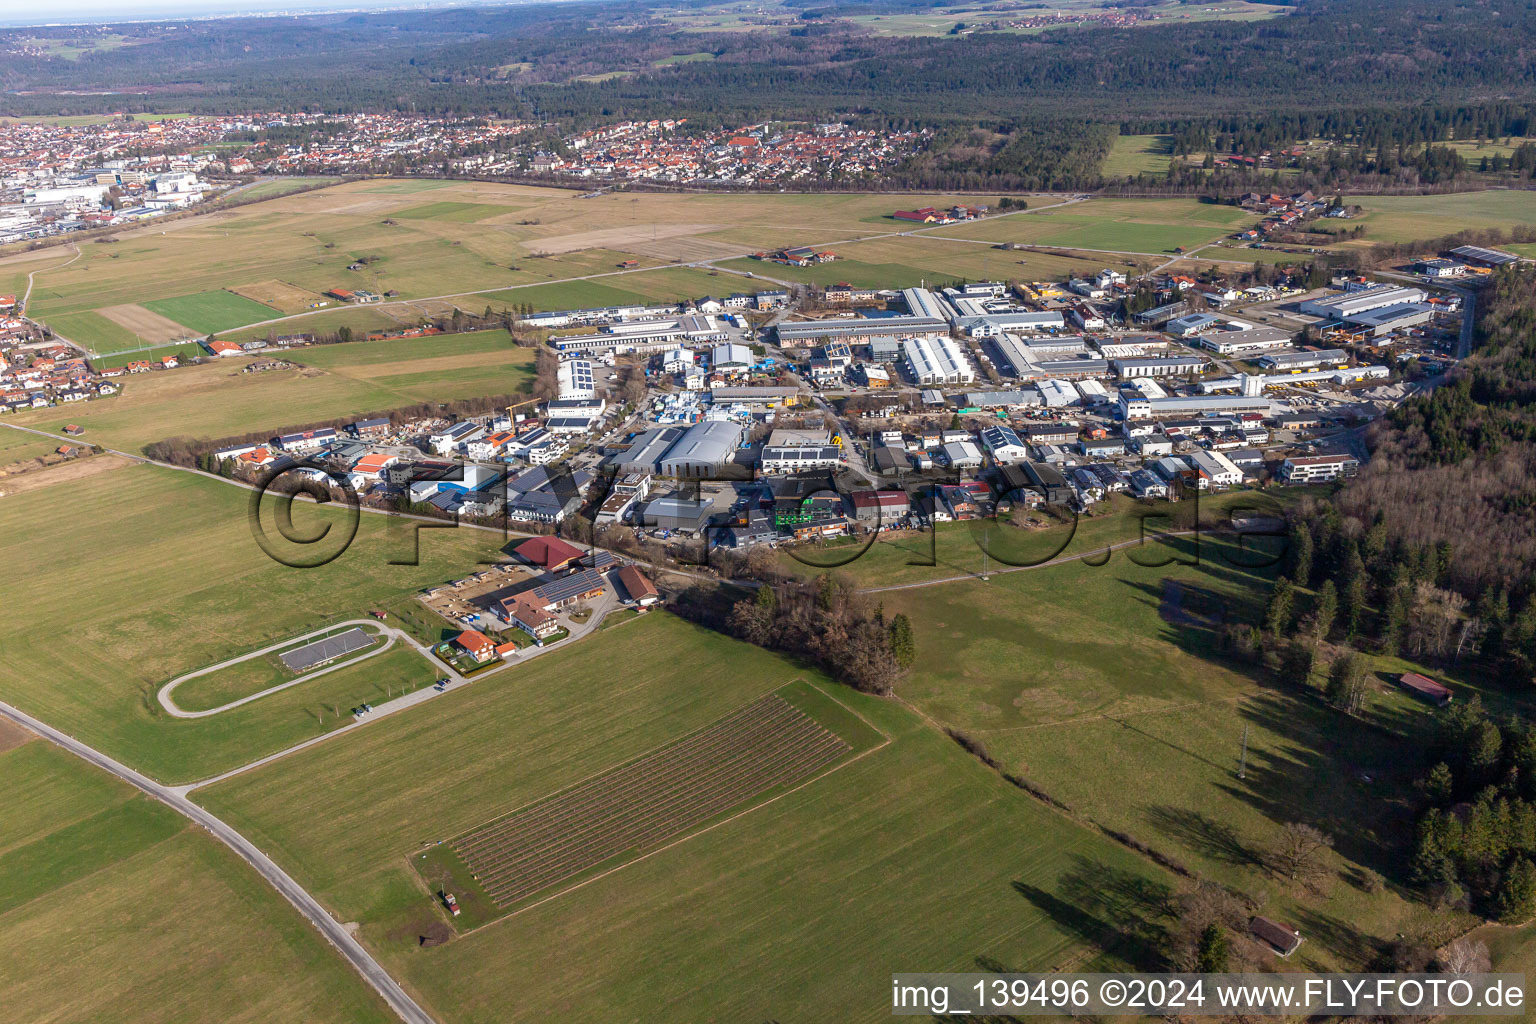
{"points": [[1465, 956], [1299, 852]]}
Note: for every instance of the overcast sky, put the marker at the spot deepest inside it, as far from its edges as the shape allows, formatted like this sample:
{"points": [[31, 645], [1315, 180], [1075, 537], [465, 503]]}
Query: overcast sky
{"points": [[29, 12]]}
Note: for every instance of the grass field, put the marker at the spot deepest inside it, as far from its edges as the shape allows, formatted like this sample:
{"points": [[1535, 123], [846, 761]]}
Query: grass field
{"points": [[115, 908], [462, 237], [212, 311], [755, 753], [154, 353], [1138, 154], [247, 677], [188, 586], [956, 549], [217, 400], [1412, 218], [1135, 225], [1045, 666], [684, 58], [281, 187], [819, 894], [95, 332], [907, 262]]}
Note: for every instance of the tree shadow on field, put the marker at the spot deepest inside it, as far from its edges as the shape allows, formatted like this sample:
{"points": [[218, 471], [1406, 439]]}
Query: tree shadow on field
{"points": [[1204, 834], [1346, 777], [1342, 939], [1119, 911]]}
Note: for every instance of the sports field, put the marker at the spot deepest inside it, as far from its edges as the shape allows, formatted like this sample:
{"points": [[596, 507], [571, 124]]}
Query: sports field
{"points": [[207, 312], [187, 586], [285, 666], [97, 332], [818, 894], [116, 908], [1116, 225], [217, 400]]}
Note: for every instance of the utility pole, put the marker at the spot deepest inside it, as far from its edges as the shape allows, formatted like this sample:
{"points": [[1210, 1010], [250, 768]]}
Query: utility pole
{"points": [[1242, 762]]}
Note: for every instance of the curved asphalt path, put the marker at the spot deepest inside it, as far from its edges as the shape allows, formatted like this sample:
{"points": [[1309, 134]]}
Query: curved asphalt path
{"points": [[389, 633], [328, 926]]}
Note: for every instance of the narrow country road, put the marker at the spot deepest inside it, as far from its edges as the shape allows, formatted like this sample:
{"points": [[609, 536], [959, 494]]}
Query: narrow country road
{"points": [[328, 926]]}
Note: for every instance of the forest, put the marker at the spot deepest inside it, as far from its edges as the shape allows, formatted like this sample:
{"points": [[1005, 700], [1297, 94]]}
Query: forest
{"points": [[1384, 78], [1457, 465]]}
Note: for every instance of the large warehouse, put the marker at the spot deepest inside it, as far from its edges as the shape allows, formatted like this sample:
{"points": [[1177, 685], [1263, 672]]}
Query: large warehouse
{"points": [[704, 449], [1304, 360], [1379, 322], [937, 361], [1341, 307], [858, 329], [1133, 407]]}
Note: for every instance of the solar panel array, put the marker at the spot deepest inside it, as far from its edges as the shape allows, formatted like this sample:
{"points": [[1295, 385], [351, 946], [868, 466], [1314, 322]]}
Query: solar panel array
{"points": [[328, 649]]}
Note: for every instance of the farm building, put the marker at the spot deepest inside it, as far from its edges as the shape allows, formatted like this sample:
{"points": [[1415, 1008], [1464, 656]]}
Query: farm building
{"points": [[640, 590], [548, 553], [1422, 686], [529, 617], [569, 590], [1282, 938]]}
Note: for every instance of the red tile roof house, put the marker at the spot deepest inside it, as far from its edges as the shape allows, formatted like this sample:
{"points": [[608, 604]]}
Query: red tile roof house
{"points": [[640, 590], [549, 553], [519, 611], [476, 644]]}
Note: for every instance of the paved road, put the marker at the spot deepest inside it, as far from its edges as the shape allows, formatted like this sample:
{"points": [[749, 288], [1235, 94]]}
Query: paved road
{"points": [[505, 531], [167, 701], [306, 904], [1059, 560]]}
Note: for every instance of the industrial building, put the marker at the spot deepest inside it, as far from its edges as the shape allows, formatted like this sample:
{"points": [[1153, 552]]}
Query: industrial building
{"points": [[1484, 257], [575, 380], [641, 336], [924, 303], [1304, 360], [937, 360], [703, 450], [645, 453], [1157, 366], [1192, 324], [858, 329], [990, 325], [1135, 407], [1380, 322], [792, 458], [676, 512], [730, 356], [1237, 337], [1215, 469], [1256, 384], [1341, 307]]}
